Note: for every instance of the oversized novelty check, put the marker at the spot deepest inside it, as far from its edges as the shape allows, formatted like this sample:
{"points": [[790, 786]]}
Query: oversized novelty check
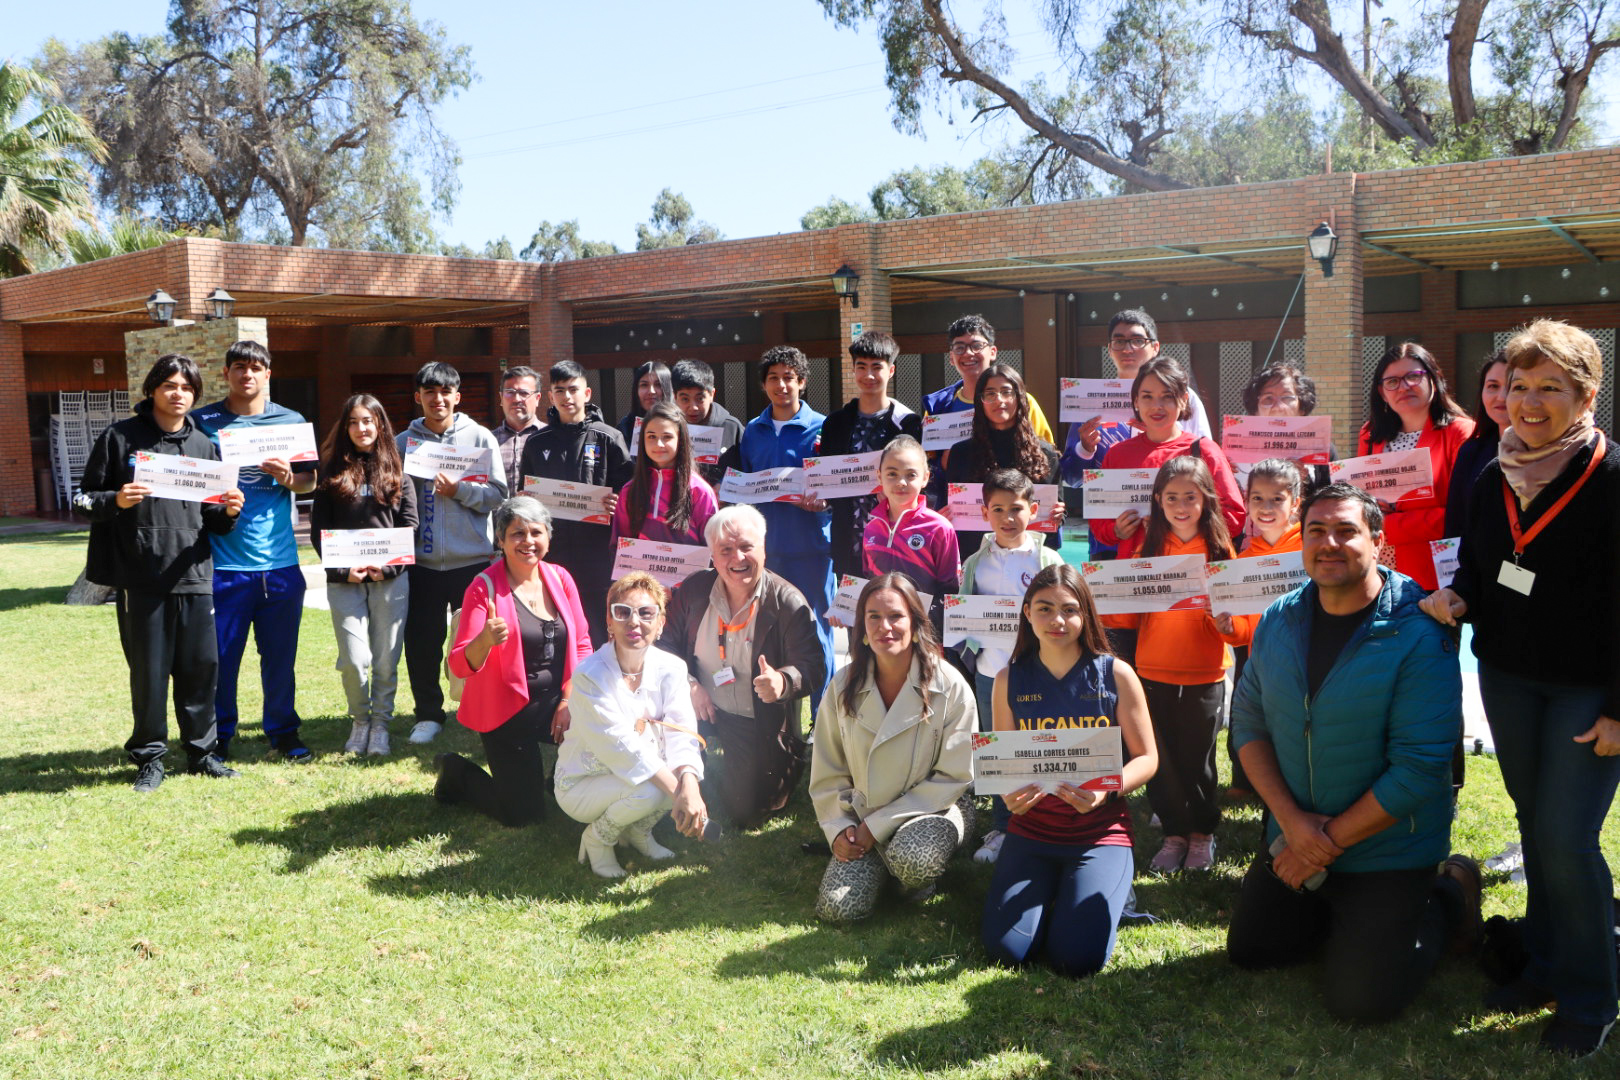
{"points": [[251, 445], [1404, 474], [941, 431], [966, 503], [1248, 586], [1108, 493], [849, 593], [767, 485], [846, 476], [1145, 586], [1305, 439], [670, 564], [990, 621], [428, 459], [707, 442], [184, 478], [342, 549], [569, 501], [1445, 555], [1086, 757], [1082, 399]]}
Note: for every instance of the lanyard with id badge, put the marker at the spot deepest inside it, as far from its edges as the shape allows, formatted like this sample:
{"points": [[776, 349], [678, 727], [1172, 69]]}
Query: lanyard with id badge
{"points": [[1512, 575], [724, 675]]}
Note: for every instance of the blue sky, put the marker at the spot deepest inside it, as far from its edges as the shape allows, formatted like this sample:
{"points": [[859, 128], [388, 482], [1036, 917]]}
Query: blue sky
{"points": [[756, 110]]}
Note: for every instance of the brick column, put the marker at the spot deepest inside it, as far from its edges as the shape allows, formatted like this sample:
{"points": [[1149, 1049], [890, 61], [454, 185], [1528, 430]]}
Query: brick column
{"points": [[16, 458], [1437, 325], [1042, 363], [1333, 330], [333, 381], [857, 246], [551, 333]]}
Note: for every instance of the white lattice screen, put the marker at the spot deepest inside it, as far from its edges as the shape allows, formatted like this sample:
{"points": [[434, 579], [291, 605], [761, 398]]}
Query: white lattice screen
{"points": [[1372, 351], [732, 387], [907, 386], [1293, 351], [1237, 366], [818, 395]]}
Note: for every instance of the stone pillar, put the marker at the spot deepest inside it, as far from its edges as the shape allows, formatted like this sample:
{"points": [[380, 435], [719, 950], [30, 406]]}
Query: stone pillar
{"points": [[551, 333], [16, 457], [1333, 330], [204, 342]]}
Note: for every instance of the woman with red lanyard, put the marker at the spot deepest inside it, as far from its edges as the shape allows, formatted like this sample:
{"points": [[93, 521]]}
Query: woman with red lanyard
{"points": [[1539, 580], [1409, 408]]}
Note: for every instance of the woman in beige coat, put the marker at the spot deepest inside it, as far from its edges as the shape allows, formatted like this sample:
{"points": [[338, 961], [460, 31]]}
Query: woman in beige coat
{"points": [[893, 756]]}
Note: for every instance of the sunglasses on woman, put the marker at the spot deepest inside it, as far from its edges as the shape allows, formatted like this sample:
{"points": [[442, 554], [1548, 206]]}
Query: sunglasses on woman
{"points": [[624, 613]]}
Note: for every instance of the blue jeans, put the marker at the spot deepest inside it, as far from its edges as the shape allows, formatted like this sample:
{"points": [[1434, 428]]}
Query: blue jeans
{"points": [[982, 685], [1057, 903], [1561, 792], [271, 604]]}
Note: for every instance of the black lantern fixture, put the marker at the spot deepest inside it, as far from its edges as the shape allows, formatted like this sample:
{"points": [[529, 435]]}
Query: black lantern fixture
{"points": [[160, 306], [219, 304], [1323, 242], [845, 283]]}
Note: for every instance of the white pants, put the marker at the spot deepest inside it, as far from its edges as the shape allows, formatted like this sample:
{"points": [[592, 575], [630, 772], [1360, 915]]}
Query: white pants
{"points": [[612, 804], [369, 619]]}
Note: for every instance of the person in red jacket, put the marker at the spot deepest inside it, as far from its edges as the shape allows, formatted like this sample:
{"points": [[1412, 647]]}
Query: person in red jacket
{"points": [[1409, 408]]}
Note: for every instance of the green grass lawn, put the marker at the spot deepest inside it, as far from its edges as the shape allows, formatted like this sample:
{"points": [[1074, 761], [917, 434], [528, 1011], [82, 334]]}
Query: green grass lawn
{"points": [[332, 921]]}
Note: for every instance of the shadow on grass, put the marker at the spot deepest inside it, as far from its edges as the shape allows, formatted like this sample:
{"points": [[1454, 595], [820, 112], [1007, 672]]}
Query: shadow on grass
{"points": [[12, 599], [54, 773]]}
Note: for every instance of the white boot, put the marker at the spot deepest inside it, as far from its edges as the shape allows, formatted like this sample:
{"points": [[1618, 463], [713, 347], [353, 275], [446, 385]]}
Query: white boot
{"points": [[598, 852], [357, 737], [640, 837], [377, 744]]}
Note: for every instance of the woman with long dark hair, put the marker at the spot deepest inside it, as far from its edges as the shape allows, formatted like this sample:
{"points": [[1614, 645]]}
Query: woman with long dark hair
{"points": [[1410, 408], [1003, 438], [1065, 869], [363, 486], [665, 499], [1479, 450], [893, 756], [652, 385]]}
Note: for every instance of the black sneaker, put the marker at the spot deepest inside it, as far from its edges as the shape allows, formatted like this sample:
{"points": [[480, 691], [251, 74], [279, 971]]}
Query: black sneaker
{"points": [[1572, 1039], [149, 777], [294, 752], [211, 766], [1519, 998], [447, 785]]}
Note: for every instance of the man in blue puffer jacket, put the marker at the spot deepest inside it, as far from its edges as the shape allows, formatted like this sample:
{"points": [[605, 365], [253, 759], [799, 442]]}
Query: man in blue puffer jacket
{"points": [[1345, 719]]}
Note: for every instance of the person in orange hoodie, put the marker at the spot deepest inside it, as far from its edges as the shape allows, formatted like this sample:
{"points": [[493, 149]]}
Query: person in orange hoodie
{"points": [[1410, 408], [1182, 661], [1275, 487]]}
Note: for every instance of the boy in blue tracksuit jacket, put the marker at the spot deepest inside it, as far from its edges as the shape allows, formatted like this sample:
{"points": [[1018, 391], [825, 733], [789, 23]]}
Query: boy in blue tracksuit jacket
{"points": [[798, 539]]}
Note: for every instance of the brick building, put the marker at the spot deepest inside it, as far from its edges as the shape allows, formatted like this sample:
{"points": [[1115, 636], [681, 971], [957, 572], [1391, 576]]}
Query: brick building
{"points": [[1454, 256]]}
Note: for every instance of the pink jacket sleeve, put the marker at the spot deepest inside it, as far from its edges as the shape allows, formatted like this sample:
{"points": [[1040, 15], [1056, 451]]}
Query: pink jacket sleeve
{"points": [[582, 646], [621, 518], [704, 503]]}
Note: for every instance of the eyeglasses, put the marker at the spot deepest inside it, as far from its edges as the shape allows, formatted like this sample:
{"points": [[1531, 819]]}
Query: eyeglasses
{"points": [[624, 613], [1411, 378], [962, 348], [1129, 344], [512, 393], [1272, 402], [1000, 393]]}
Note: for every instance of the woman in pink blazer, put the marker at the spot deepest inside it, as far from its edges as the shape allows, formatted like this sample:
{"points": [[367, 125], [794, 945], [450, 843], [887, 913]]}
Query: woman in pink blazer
{"points": [[521, 634]]}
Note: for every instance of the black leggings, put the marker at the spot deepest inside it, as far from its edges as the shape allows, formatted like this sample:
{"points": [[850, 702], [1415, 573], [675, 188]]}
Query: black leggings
{"points": [[1186, 720], [513, 791]]}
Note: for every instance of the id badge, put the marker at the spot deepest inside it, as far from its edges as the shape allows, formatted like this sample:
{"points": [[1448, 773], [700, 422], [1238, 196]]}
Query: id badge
{"points": [[1516, 578], [725, 676]]}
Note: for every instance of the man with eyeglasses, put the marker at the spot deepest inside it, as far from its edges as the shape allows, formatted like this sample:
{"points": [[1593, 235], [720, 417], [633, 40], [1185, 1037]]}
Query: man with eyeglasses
{"points": [[972, 349], [1133, 340], [520, 400]]}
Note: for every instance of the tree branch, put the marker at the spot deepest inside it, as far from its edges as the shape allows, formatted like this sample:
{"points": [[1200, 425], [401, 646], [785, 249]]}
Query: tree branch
{"points": [[1460, 41]]}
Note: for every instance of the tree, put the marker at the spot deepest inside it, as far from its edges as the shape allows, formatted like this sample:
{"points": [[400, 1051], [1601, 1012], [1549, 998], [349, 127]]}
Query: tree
{"points": [[923, 192], [309, 119], [834, 212], [561, 242], [44, 191], [1127, 102], [674, 224], [124, 234]]}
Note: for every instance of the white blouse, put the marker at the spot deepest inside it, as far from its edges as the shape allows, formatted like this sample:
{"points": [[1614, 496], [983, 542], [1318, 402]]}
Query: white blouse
{"points": [[611, 728]]}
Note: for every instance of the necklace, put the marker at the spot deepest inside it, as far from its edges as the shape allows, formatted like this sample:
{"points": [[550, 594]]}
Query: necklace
{"points": [[632, 679]]}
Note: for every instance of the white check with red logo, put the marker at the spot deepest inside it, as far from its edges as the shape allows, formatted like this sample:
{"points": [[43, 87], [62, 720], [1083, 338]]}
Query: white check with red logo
{"points": [[251, 445], [427, 460], [1305, 439], [170, 476], [849, 594], [1404, 474], [966, 505], [1248, 586], [941, 431], [343, 549], [1086, 757], [707, 442], [1147, 586], [846, 476], [765, 486], [1108, 493], [669, 564], [1446, 555], [569, 501], [991, 622], [1082, 399]]}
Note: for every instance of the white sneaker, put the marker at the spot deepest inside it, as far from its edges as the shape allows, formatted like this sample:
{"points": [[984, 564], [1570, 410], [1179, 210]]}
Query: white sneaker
{"points": [[990, 850], [357, 737], [1510, 858], [425, 731], [377, 742], [1170, 857]]}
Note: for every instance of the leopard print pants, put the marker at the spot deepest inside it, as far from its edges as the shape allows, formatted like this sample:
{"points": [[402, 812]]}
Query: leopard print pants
{"points": [[915, 856]]}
